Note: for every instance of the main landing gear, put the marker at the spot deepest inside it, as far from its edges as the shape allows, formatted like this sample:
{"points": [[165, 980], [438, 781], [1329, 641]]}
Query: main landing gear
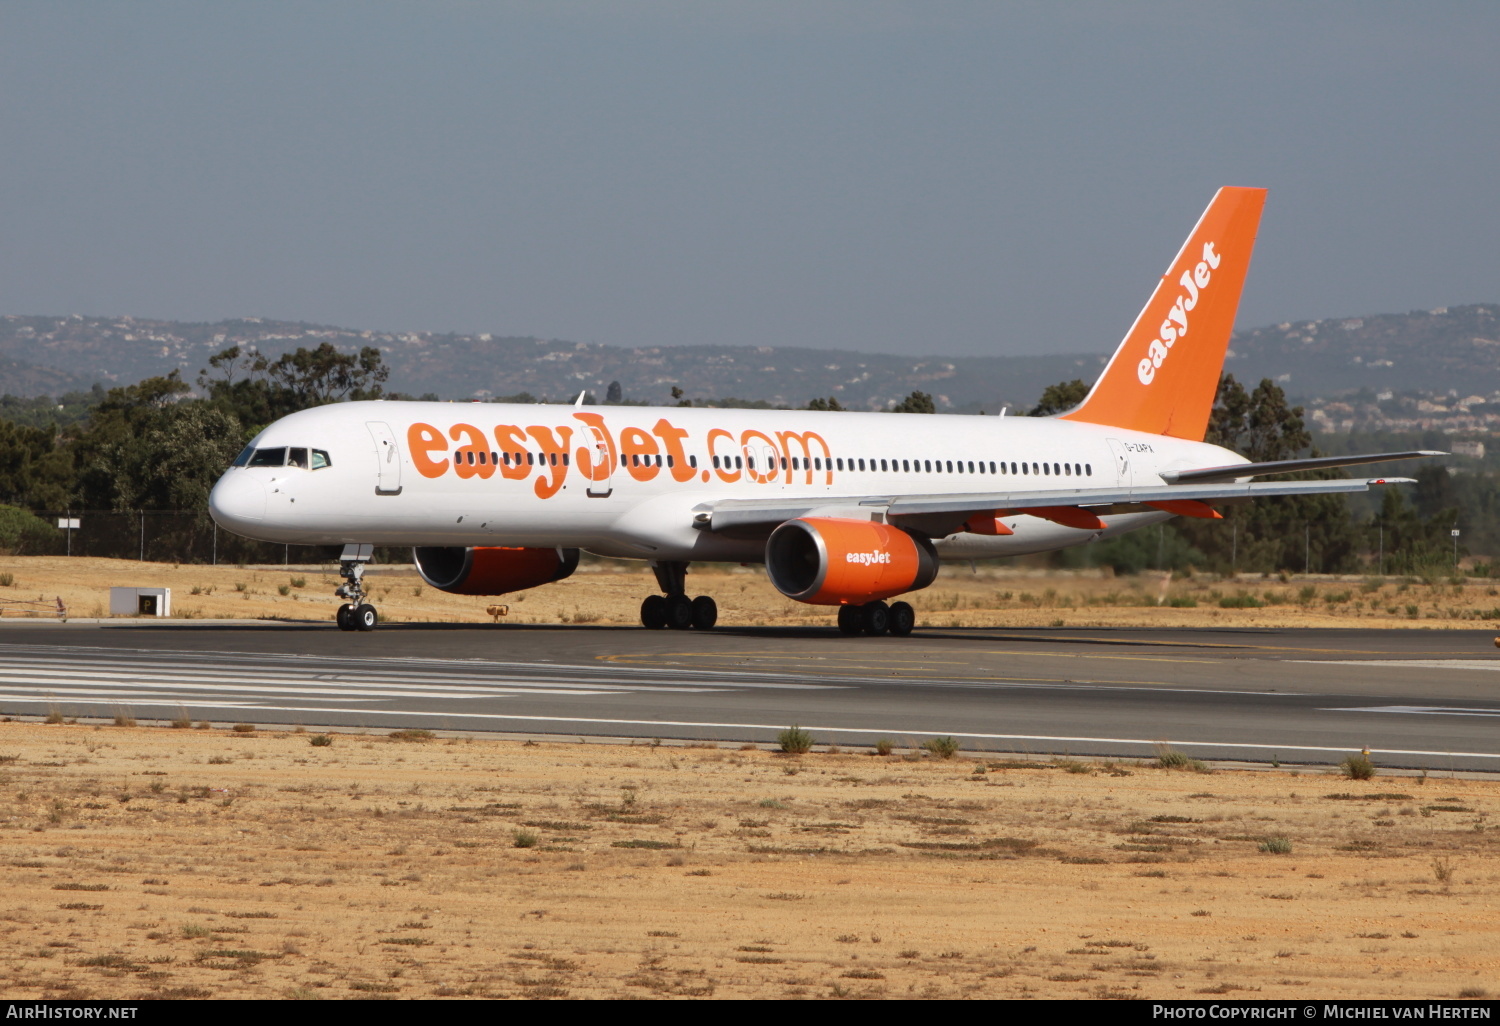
{"points": [[675, 609], [876, 618], [356, 614]]}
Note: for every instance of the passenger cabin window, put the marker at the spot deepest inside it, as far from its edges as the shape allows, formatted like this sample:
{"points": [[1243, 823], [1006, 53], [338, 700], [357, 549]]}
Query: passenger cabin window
{"points": [[268, 458], [320, 459]]}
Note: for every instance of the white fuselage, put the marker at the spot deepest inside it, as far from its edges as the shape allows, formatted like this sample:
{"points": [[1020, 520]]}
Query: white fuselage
{"points": [[624, 480]]}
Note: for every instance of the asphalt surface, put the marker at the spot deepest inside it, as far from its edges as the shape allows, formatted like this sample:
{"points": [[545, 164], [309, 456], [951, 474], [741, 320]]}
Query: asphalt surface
{"points": [[1419, 699]]}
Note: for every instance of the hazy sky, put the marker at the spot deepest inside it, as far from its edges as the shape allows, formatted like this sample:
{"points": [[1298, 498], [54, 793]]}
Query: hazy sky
{"points": [[924, 177]]}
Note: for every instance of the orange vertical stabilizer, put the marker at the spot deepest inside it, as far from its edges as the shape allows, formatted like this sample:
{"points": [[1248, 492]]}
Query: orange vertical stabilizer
{"points": [[1163, 378]]}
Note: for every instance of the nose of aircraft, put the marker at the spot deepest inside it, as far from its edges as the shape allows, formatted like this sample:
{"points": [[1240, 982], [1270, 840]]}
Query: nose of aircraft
{"points": [[237, 501]]}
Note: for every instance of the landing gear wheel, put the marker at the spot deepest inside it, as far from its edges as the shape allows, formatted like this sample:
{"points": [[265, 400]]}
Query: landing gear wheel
{"points": [[705, 613], [851, 619], [365, 618], [877, 618], [345, 617], [654, 612], [679, 612], [903, 619]]}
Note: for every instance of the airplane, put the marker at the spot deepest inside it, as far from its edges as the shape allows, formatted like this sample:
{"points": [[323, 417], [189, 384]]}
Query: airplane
{"points": [[844, 509]]}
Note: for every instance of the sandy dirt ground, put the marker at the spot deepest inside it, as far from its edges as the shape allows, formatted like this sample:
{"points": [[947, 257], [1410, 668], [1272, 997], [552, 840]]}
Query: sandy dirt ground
{"points": [[610, 593], [164, 862]]}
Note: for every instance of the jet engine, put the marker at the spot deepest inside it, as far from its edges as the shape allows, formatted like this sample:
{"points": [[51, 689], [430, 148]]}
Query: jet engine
{"points": [[831, 561], [491, 570]]}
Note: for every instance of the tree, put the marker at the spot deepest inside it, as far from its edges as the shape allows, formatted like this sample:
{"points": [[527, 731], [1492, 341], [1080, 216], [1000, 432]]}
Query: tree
{"points": [[614, 393], [36, 467], [259, 390], [168, 459], [1281, 533], [917, 402], [677, 394], [1060, 398], [829, 405]]}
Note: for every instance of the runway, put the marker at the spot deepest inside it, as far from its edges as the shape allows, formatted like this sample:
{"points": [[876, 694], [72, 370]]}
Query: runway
{"points": [[1419, 699]]}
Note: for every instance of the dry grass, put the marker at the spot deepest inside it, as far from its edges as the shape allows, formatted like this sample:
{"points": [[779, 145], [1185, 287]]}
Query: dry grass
{"points": [[609, 593], [378, 867]]}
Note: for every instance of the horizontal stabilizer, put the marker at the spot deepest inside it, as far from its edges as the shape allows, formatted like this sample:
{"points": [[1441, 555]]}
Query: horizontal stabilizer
{"points": [[1236, 471]]}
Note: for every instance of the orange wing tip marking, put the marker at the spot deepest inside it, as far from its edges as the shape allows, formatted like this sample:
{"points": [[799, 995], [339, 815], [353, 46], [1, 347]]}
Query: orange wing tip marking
{"points": [[986, 523], [1188, 508], [1068, 516]]}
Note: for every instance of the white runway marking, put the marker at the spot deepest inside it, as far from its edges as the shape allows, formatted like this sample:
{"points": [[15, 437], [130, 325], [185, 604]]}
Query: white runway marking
{"points": [[1418, 710], [1408, 664], [869, 731]]}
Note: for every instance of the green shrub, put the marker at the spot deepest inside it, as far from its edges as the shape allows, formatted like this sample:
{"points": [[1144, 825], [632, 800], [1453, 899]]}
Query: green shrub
{"points": [[411, 735], [795, 741], [1168, 759], [1183, 602], [244, 728], [1244, 600], [18, 529], [320, 740], [942, 747], [1276, 846], [884, 746], [1358, 767], [525, 838]]}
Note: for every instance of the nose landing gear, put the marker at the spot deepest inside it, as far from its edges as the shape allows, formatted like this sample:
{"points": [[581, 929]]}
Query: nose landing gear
{"points": [[876, 618], [356, 614], [675, 609]]}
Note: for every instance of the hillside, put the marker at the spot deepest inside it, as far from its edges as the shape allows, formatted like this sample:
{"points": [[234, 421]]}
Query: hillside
{"points": [[1431, 351]]}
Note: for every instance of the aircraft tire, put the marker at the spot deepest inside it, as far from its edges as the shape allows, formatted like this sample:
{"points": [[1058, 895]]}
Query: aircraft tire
{"points": [[345, 617], [903, 619], [365, 618], [851, 619], [654, 612], [705, 613], [876, 617], [679, 612]]}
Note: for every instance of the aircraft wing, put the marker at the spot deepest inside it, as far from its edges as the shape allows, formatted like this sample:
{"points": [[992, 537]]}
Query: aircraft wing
{"points": [[1239, 470], [940, 509]]}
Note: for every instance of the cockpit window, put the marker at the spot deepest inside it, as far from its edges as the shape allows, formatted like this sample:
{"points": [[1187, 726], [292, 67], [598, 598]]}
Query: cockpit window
{"points": [[320, 459], [244, 456], [297, 457], [269, 457]]}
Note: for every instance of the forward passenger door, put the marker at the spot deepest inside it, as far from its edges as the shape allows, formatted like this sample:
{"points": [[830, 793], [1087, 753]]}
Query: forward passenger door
{"points": [[388, 457]]}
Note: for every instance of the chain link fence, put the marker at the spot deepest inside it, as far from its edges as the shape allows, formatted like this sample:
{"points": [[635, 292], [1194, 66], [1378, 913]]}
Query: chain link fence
{"points": [[163, 536]]}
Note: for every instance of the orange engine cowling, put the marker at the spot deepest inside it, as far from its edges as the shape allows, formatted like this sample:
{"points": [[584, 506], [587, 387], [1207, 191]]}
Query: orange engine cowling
{"points": [[492, 571], [829, 561]]}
